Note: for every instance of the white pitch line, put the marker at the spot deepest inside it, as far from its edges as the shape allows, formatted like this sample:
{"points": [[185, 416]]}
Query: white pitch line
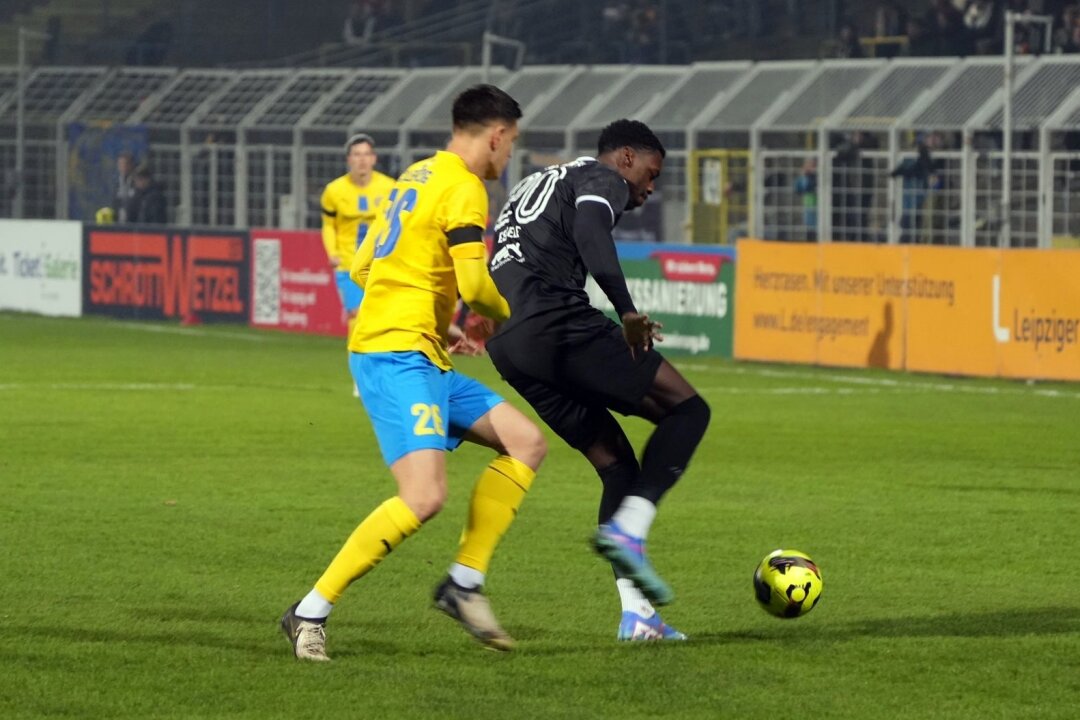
{"points": [[897, 385], [195, 332], [807, 390], [137, 387]]}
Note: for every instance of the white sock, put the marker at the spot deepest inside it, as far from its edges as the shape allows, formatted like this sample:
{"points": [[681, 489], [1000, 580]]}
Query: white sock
{"points": [[635, 516], [314, 606], [465, 576], [632, 599]]}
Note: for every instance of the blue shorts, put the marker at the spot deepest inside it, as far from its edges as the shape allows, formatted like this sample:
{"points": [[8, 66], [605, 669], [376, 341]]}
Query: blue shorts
{"points": [[351, 293], [413, 405]]}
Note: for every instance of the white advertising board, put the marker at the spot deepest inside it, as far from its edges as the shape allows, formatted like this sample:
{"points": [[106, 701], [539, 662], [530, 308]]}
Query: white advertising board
{"points": [[41, 266]]}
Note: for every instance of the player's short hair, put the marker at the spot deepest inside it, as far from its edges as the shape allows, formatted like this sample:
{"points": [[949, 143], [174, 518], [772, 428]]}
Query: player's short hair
{"points": [[629, 133], [484, 104], [358, 138]]}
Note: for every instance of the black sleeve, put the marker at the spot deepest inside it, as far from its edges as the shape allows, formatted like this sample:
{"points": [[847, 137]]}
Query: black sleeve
{"points": [[592, 235]]}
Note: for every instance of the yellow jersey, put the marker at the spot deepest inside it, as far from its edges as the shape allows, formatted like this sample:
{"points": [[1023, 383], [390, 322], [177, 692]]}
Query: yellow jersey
{"points": [[348, 211], [410, 289]]}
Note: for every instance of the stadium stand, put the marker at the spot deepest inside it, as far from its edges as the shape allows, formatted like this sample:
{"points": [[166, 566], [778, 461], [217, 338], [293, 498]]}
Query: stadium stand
{"points": [[253, 147]]}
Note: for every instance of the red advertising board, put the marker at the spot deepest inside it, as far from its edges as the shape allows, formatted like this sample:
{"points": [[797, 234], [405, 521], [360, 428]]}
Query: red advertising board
{"points": [[293, 286], [165, 274]]}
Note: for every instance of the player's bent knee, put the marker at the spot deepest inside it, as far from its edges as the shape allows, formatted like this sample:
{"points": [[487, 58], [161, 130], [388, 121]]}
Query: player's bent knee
{"points": [[424, 504], [695, 409], [529, 445]]}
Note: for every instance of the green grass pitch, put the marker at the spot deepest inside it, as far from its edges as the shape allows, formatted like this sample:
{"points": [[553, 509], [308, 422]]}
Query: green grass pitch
{"points": [[165, 493]]}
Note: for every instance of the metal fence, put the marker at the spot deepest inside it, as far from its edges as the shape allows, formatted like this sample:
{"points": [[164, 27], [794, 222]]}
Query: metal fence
{"points": [[896, 151]]}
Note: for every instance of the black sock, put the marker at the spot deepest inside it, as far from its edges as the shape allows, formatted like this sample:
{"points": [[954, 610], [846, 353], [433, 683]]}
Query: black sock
{"points": [[669, 449], [619, 479]]}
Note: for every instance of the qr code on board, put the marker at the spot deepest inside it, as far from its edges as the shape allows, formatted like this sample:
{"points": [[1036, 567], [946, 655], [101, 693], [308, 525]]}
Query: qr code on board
{"points": [[267, 310]]}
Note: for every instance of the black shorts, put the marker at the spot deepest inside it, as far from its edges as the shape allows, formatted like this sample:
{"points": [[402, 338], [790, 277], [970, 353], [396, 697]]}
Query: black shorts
{"points": [[573, 373]]}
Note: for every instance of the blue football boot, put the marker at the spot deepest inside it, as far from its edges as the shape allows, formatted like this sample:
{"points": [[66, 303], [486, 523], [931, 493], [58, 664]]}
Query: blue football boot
{"points": [[636, 628], [627, 554]]}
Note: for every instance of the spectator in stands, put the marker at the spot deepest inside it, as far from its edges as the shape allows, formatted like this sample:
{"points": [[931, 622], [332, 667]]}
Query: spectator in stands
{"points": [[919, 42], [360, 24], [147, 205], [946, 25], [919, 176], [852, 188], [152, 46], [982, 21], [642, 43], [125, 186], [1067, 37], [847, 43], [50, 50], [1028, 38], [614, 28], [806, 187], [891, 19]]}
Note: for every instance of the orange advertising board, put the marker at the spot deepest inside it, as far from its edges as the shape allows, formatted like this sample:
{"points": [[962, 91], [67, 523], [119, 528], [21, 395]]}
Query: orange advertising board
{"points": [[970, 311], [1037, 327], [950, 328], [826, 304]]}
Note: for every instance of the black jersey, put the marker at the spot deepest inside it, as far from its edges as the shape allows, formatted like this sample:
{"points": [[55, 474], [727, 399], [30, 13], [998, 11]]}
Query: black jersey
{"points": [[537, 261]]}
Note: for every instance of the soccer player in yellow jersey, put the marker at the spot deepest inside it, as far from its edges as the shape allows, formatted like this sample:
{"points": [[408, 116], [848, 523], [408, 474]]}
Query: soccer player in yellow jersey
{"points": [[424, 249], [349, 206]]}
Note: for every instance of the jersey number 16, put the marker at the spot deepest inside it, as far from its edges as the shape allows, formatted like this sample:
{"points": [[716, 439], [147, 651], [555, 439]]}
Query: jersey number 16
{"points": [[384, 244]]}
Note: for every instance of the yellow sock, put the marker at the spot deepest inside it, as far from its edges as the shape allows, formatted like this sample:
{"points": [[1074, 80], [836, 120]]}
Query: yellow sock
{"points": [[495, 500], [372, 540]]}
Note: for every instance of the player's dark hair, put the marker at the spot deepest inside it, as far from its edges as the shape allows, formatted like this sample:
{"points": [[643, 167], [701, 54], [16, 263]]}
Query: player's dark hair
{"points": [[629, 133], [483, 104], [357, 139]]}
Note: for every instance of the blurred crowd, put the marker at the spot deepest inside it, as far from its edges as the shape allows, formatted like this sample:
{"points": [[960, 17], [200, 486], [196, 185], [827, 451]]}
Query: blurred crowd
{"points": [[947, 28], [559, 31]]}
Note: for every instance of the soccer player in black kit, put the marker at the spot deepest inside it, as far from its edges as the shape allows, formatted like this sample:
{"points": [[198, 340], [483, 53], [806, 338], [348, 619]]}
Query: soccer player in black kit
{"points": [[574, 365]]}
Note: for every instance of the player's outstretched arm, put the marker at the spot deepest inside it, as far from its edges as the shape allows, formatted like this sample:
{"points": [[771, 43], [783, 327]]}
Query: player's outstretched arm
{"points": [[474, 281]]}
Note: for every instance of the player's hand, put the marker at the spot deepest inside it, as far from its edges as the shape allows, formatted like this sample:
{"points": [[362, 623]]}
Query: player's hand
{"points": [[481, 328], [640, 332], [460, 344], [465, 346]]}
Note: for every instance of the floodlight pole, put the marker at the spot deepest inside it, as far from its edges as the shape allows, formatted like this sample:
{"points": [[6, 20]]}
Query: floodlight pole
{"points": [[20, 120], [1011, 18]]}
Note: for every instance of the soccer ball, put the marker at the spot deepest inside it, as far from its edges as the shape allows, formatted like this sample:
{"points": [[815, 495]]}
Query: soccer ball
{"points": [[787, 583]]}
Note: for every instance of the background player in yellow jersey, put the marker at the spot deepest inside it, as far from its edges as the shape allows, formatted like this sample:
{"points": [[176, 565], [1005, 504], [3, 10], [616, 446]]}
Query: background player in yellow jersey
{"points": [[425, 248], [349, 206]]}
